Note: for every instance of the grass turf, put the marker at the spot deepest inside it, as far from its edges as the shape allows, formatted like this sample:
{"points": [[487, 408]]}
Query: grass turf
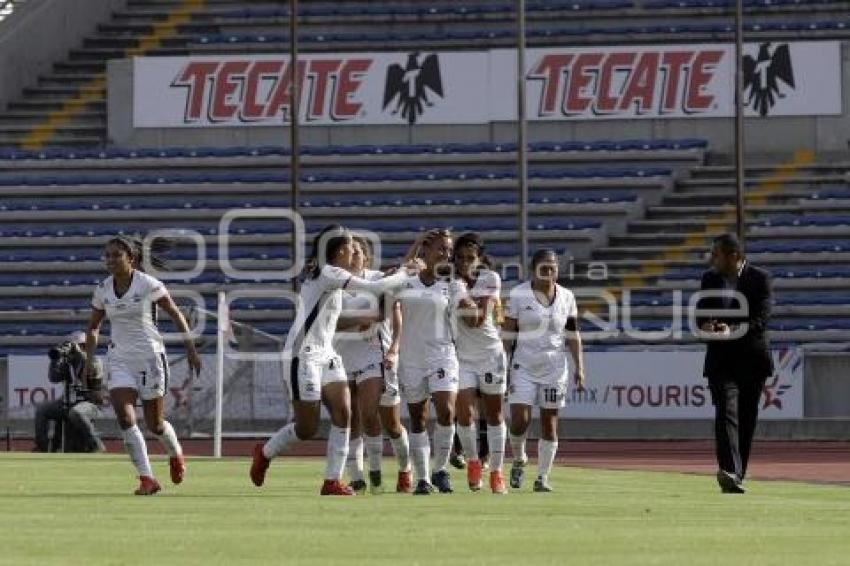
{"points": [[78, 510]]}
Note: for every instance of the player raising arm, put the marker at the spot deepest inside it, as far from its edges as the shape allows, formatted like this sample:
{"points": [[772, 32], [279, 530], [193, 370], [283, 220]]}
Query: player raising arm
{"points": [[316, 372]]}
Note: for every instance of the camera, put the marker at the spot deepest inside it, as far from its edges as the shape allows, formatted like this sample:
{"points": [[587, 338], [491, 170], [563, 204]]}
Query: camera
{"points": [[66, 362]]}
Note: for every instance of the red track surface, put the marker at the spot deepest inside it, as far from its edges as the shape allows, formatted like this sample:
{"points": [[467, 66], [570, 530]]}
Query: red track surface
{"points": [[799, 461]]}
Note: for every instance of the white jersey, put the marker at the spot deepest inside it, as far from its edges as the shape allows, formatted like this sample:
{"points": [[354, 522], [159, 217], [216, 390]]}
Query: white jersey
{"points": [[426, 336], [540, 347], [484, 342], [311, 335], [134, 334], [352, 344]]}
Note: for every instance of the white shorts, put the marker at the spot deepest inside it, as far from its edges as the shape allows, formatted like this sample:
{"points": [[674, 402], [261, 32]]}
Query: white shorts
{"points": [[417, 384], [364, 363], [524, 391], [307, 376], [147, 376], [489, 376]]}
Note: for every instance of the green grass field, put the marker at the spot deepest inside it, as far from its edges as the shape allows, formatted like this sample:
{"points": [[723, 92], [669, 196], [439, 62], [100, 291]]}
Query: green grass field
{"points": [[78, 510]]}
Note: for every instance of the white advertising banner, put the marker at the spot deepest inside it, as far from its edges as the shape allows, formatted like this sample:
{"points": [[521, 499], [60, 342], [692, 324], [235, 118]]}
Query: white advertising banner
{"points": [[478, 87], [648, 385], [655, 385]]}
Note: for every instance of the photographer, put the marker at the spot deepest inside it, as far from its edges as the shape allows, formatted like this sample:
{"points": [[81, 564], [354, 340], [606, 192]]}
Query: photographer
{"points": [[75, 411]]}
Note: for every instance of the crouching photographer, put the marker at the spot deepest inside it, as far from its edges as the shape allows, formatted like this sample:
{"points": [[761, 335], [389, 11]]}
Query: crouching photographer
{"points": [[73, 413]]}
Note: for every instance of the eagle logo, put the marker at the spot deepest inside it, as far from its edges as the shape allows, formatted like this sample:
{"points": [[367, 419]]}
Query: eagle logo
{"points": [[762, 76], [408, 87]]}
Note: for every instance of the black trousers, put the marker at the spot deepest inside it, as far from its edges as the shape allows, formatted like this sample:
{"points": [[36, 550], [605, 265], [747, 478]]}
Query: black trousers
{"points": [[736, 401]]}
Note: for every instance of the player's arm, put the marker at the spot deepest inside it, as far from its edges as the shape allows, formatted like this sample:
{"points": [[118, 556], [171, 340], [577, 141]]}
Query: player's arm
{"points": [[92, 334], [391, 357], [474, 310], [166, 303], [573, 343], [509, 335]]}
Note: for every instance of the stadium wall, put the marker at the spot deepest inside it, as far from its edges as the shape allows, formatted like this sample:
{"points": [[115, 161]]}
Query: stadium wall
{"points": [[24, 53], [774, 136], [826, 413]]}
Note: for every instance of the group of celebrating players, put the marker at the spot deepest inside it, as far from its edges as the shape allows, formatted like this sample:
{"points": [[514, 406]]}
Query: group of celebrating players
{"points": [[432, 329]]}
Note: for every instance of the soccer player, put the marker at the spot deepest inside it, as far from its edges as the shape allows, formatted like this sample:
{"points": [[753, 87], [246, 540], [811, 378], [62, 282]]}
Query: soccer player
{"points": [[370, 356], [428, 366], [137, 367], [483, 366], [543, 317], [316, 372]]}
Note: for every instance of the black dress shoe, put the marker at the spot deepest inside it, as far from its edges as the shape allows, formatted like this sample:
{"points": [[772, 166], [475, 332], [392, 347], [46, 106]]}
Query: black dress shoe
{"points": [[729, 483]]}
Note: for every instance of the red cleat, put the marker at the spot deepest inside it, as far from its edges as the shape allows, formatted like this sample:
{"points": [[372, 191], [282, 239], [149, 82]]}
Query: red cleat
{"points": [[335, 487], [177, 464], [147, 486], [497, 483], [405, 482], [473, 474], [259, 465]]}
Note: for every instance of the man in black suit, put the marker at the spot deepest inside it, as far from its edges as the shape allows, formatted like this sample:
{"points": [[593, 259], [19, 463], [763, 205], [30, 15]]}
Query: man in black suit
{"points": [[738, 360]]}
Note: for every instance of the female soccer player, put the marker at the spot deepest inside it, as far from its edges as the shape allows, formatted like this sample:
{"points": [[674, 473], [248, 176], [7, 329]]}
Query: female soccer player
{"points": [[136, 363], [316, 372], [543, 317], [369, 352], [428, 364], [482, 360]]}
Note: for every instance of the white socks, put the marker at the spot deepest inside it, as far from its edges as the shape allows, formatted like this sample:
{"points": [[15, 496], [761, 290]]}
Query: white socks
{"points": [[134, 442], [468, 441], [337, 452], [354, 461], [401, 447], [375, 452], [518, 447], [169, 441], [496, 442], [443, 439], [420, 450], [546, 450], [280, 441]]}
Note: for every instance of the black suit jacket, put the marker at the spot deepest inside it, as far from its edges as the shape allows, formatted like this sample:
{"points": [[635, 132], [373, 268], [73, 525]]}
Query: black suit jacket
{"points": [[748, 356]]}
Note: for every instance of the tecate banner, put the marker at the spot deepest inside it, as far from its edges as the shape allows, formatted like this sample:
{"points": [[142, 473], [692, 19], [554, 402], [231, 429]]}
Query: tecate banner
{"points": [[655, 385], [588, 83]]}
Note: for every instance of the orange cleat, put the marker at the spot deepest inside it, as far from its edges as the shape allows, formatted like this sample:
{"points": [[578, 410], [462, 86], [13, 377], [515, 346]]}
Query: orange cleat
{"points": [[147, 486], [405, 482], [497, 483], [259, 465], [177, 464], [335, 487], [473, 474]]}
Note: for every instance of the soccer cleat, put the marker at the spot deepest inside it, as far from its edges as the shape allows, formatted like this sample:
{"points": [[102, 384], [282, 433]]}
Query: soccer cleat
{"points": [[497, 483], [335, 487], [423, 488], [517, 474], [259, 465], [358, 487], [729, 483], [442, 481], [457, 461], [147, 486], [541, 485], [473, 474], [375, 487], [404, 483], [177, 464]]}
